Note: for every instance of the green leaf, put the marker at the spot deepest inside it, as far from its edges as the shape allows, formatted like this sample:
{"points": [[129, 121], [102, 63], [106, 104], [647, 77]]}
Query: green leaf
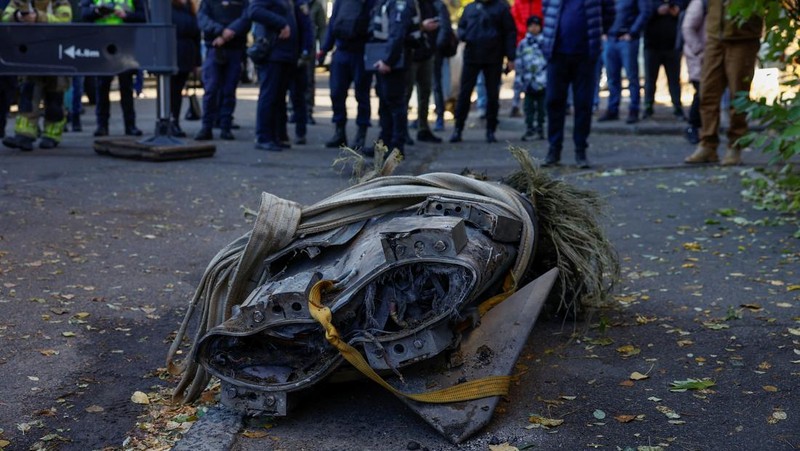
{"points": [[691, 384]]}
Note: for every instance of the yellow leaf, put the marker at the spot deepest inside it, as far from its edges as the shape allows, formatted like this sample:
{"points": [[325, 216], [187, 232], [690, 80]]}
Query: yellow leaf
{"points": [[4, 443], [82, 315], [625, 418], [94, 409], [503, 447], [770, 388], [548, 422], [637, 376], [693, 246], [48, 352], [140, 398], [793, 288], [254, 434]]}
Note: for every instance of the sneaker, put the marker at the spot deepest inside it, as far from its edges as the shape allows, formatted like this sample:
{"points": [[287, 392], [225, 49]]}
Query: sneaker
{"points": [[438, 126], [427, 137], [133, 131], [515, 112], [204, 135], [608, 117], [270, 147], [692, 135], [529, 134]]}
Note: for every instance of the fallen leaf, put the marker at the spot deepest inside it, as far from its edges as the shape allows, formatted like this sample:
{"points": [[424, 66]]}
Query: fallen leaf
{"points": [[599, 414], [628, 350], [68, 334], [627, 383], [254, 434], [503, 447], [637, 376], [669, 413], [48, 352], [691, 384], [777, 415], [94, 409], [783, 305], [794, 331], [81, 315], [793, 288], [625, 418], [604, 341], [770, 388], [140, 398], [4, 443], [546, 422], [715, 326]]}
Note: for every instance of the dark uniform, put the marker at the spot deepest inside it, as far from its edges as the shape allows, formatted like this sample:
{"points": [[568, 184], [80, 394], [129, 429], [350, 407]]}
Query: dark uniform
{"points": [[489, 31], [397, 24], [133, 12], [187, 32], [347, 67], [39, 90], [270, 17], [223, 65], [421, 73]]}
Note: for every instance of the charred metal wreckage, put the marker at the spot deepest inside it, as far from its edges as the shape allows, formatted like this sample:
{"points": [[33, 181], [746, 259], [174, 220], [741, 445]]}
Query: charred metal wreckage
{"points": [[418, 277]]}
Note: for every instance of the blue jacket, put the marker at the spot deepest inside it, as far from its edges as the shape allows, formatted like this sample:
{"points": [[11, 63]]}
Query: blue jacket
{"points": [[271, 16], [599, 14], [631, 17], [355, 45], [214, 16]]}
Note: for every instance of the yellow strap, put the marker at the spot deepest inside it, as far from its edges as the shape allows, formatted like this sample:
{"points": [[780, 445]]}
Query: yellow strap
{"points": [[509, 287], [480, 388]]}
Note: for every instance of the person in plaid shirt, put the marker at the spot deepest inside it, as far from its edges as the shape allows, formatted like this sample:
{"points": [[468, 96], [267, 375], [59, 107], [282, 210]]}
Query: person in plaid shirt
{"points": [[531, 77]]}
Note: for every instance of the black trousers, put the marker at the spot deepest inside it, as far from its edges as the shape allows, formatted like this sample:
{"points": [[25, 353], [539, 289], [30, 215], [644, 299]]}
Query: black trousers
{"points": [[177, 83], [103, 108], [469, 76], [393, 109], [694, 110], [653, 60]]}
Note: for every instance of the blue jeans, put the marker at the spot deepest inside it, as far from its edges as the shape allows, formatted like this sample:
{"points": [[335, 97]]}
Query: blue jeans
{"points": [[220, 79], [563, 72], [622, 55]]}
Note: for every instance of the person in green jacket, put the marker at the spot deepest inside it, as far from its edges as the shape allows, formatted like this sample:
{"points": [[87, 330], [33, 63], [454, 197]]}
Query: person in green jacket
{"points": [[39, 93]]}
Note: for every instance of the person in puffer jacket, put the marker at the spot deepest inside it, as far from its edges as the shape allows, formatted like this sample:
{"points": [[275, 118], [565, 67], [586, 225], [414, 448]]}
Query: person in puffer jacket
{"points": [[571, 42]]}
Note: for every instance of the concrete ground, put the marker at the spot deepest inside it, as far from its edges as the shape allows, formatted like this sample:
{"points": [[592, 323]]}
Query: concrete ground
{"points": [[99, 256]]}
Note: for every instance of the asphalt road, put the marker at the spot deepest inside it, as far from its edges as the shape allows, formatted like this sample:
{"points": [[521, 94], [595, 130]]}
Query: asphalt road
{"points": [[99, 256]]}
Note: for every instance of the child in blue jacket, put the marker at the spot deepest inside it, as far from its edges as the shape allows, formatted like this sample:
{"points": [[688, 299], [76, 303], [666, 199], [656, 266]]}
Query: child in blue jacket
{"points": [[531, 77]]}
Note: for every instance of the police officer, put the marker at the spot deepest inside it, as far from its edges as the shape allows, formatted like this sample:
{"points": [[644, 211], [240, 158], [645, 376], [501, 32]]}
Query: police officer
{"points": [[489, 31], [348, 32], [114, 12], [224, 24], [396, 27], [289, 22], [36, 89]]}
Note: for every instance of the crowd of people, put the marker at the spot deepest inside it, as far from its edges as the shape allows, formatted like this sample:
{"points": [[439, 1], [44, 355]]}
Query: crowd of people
{"points": [[556, 49]]}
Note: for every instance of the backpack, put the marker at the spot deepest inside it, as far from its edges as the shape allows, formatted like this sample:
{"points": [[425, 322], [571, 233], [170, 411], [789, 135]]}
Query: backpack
{"points": [[351, 20], [480, 26]]}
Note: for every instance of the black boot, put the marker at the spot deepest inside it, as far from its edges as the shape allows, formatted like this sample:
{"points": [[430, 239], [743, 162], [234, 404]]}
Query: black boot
{"points": [[339, 138], [580, 159], [456, 136], [361, 137], [176, 130], [553, 157]]}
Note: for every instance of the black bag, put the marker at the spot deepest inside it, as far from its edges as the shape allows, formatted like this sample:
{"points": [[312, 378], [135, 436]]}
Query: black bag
{"points": [[261, 49], [449, 47], [379, 51], [351, 21], [194, 112]]}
